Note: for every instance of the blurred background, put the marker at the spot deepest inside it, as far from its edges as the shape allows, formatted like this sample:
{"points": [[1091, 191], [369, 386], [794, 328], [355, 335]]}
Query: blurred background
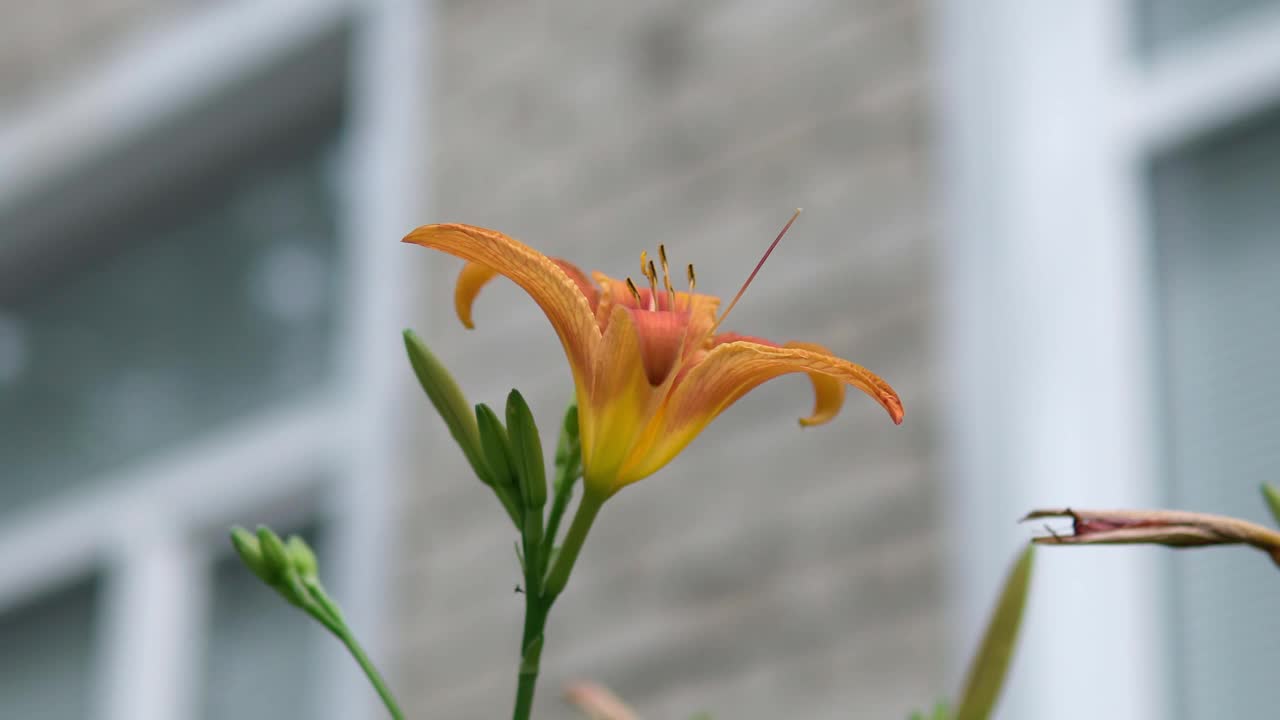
{"points": [[1051, 226]]}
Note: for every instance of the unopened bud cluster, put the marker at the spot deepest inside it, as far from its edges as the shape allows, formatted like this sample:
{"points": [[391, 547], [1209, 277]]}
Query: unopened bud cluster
{"points": [[287, 566]]}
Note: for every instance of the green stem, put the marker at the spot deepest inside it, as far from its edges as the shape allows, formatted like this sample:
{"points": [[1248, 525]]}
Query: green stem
{"points": [[535, 616], [535, 621], [537, 605], [565, 475], [357, 652], [558, 577]]}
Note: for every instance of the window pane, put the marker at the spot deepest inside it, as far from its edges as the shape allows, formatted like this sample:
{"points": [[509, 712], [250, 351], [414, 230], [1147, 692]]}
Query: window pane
{"points": [[1165, 26], [48, 648], [260, 653], [174, 316], [1217, 225]]}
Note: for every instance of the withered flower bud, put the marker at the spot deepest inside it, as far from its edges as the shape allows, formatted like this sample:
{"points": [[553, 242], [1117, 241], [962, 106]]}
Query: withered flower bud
{"points": [[1172, 528]]}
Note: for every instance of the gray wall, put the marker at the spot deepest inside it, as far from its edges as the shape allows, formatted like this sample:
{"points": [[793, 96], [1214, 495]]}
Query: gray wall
{"points": [[769, 571]]}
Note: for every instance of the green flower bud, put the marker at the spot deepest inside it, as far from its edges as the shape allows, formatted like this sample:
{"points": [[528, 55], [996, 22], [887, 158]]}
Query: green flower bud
{"points": [[571, 422], [526, 447], [303, 558], [498, 457], [569, 446], [250, 552], [275, 558], [447, 397]]}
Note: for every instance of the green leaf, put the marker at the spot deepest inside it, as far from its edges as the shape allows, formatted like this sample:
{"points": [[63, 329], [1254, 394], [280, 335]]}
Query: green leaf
{"points": [[988, 668], [1272, 496], [448, 400], [526, 446]]}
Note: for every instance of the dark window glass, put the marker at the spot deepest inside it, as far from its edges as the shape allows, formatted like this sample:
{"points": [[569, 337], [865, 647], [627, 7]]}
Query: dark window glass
{"points": [[1166, 26], [1217, 234], [48, 651], [167, 298]]}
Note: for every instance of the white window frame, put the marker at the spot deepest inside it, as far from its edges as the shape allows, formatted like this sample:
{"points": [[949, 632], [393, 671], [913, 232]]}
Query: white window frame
{"points": [[1047, 115], [343, 447]]}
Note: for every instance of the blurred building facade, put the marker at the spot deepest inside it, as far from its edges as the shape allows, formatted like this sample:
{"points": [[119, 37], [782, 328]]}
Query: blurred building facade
{"points": [[769, 571], [1050, 230]]}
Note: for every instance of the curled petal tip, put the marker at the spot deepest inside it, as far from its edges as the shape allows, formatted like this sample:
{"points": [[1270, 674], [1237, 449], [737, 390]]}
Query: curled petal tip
{"points": [[894, 406], [471, 279], [891, 403]]}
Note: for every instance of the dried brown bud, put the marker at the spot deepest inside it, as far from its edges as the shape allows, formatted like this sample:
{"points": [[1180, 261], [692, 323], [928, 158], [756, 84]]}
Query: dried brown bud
{"points": [[1172, 528]]}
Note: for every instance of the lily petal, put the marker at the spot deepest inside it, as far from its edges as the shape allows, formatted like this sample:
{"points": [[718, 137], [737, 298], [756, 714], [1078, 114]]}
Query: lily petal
{"points": [[730, 371], [558, 294], [828, 392], [580, 279], [471, 278], [475, 276], [620, 404]]}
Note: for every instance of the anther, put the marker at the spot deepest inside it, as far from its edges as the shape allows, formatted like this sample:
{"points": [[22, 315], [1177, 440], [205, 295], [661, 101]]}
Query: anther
{"points": [[653, 287], [666, 277], [693, 279], [634, 292]]}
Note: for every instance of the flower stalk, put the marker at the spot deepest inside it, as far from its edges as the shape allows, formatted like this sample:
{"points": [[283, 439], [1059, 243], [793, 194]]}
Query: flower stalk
{"points": [[290, 568]]}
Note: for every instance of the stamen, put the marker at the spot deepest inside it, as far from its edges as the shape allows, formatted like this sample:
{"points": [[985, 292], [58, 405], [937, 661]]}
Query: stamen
{"points": [[653, 287], [646, 269], [759, 265], [666, 277], [634, 292], [693, 279]]}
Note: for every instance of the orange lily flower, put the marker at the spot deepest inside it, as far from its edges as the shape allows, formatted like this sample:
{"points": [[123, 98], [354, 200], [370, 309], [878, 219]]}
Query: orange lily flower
{"points": [[650, 370]]}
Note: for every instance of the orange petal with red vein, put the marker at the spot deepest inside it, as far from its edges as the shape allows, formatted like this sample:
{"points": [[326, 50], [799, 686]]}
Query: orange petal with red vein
{"points": [[618, 405], [828, 392], [475, 276], [558, 294], [471, 278], [732, 370]]}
